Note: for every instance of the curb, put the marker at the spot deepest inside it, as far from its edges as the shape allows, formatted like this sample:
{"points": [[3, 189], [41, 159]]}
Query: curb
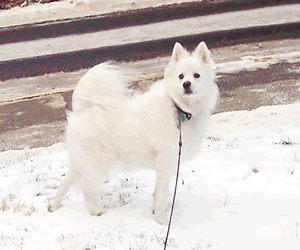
{"points": [[76, 60]]}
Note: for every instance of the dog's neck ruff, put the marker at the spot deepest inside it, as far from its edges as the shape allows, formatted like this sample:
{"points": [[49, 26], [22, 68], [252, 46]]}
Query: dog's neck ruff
{"points": [[184, 115]]}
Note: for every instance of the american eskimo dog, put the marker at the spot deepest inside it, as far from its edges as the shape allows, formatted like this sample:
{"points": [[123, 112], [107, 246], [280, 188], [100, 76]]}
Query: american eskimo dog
{"points": [[110, 126]]}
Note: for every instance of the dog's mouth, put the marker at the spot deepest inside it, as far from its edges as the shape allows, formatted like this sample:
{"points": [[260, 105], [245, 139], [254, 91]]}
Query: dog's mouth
{"points": [[188, 91]]}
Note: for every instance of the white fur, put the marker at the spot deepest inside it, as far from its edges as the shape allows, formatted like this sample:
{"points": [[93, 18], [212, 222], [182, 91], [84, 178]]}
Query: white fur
{"points": [[110, 126]]}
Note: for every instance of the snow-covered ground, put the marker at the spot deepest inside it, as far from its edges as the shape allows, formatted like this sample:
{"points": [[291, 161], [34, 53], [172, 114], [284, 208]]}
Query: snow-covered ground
{"points": [[242, 192]]}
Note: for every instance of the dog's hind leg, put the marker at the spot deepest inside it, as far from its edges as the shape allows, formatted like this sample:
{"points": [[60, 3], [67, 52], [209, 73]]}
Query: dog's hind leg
{"points": [[65, 185]]}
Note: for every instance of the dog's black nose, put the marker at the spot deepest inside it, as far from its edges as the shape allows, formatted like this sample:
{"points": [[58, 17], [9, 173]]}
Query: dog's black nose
{"points": [[187, 84]]}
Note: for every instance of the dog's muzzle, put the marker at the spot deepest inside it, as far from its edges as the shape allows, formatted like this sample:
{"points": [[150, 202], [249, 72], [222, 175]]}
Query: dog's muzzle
{"points": [[187, 87]]}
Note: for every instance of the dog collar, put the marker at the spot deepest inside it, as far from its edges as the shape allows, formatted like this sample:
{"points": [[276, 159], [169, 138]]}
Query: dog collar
{"points": [[184, 115]]}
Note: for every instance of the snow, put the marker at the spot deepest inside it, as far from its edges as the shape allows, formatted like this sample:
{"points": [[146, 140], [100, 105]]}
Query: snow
{"points": [[252, 63], [242, 192]]}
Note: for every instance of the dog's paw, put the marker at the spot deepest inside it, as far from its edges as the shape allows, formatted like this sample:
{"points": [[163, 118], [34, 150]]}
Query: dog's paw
{"points": [[161, 219], [52, 206], [152, 209], [159, 214], [96, 211]]}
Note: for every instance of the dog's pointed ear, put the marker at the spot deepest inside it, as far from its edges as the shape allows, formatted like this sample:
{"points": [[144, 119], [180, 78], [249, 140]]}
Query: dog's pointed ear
{"points": [[178, 52], [203, 53]]}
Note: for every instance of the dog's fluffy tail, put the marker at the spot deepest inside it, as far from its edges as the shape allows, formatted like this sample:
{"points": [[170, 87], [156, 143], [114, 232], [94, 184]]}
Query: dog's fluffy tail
{"points": [[103, 87]]}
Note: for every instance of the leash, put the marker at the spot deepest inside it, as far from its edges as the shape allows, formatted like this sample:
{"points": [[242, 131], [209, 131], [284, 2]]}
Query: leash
{"points": [[181, 117]]}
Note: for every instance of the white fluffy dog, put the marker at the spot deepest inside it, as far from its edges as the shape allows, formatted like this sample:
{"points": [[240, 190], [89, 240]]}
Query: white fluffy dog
{"points": [[110, 126]]}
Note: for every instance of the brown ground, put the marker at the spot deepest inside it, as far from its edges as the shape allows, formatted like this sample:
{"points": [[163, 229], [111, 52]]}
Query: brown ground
{"points": [[8, 4]]}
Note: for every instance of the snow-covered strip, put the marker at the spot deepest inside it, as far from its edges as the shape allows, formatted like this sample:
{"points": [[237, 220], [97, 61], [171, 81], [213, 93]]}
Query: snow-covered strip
{"points": [[251, 63], [73, 8], [235, 121], [242, 192]]}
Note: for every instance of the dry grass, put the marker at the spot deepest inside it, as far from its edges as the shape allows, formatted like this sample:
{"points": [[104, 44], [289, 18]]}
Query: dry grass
{"points": [[4, 206], [288, 142], [14, 205]]}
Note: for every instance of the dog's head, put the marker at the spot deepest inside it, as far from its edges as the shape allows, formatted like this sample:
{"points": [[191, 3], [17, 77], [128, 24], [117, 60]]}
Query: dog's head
{"points": [[189, 77]]}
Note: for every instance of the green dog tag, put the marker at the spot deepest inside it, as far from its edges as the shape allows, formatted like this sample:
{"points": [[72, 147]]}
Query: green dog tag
{"points": [[183, 118]]}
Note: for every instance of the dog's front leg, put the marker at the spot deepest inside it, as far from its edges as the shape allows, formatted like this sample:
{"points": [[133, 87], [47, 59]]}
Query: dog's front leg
{"points": [[160, 197]]}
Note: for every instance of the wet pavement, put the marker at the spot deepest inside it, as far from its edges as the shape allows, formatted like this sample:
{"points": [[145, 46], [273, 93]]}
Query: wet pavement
{"points": [[40, 120]]}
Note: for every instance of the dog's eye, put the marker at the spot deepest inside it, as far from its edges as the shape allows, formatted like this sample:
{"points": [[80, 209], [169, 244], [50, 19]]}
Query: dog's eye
{"points": [[196, 75], [181, 76]]}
